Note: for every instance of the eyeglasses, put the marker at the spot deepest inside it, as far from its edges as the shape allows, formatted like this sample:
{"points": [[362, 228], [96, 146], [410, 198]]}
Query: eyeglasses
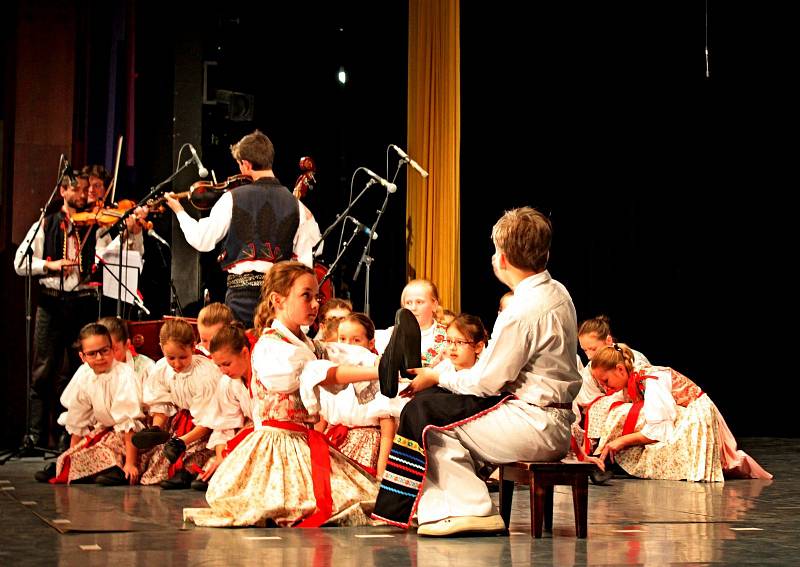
{"points": [[99, 352], [457, 342]]}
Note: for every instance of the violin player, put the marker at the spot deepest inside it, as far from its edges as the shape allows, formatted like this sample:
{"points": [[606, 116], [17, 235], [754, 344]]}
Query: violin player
{"points": [[261, 223], [63, 258]]}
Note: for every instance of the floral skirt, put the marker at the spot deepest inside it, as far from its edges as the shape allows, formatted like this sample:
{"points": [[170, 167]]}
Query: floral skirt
{"points": [[157, 467], [88, 458], [700, 447], [267, 479], [362, 444]]}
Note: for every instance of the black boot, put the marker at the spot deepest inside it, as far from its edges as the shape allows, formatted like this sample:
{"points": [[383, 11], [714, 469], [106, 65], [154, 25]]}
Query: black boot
{"points": [[114, 476], [44, 475], [179, 481], [173, 449], [149, 438], [402, 352]]}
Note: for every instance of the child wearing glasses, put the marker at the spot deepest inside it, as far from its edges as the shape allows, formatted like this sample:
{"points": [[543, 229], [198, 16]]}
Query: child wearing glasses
{"points": [[665, 427], [466, 339], [104, 410]]}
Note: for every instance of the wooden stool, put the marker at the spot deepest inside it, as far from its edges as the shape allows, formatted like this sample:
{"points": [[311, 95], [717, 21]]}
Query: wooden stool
{"points": [[542, 477]]}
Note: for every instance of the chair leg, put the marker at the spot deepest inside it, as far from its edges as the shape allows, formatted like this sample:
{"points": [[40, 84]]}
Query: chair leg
{"points": [[538, 497], [506, 497], [580, 504], [548, 508]]}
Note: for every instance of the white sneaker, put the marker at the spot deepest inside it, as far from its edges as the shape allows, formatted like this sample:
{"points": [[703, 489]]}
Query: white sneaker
{"points": [[462, 524]]}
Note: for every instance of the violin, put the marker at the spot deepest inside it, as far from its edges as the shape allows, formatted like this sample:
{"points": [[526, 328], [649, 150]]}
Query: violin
{"points": [[203, 194], [305, 181], [106, 216]]}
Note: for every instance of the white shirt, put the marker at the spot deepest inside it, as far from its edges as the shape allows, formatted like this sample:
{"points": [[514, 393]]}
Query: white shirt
{"points": [[166, 391], [232, 410], [659, 409], [204, 234], [72, 280], [285, 367], [141, 365], [532, 350], [102, 401]]}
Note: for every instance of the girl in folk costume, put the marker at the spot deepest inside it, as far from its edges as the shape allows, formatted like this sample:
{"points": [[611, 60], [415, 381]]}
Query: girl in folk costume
{"points": [[664, 426], [180, 396], [362, 431], [231, 351], [124, 352], [283, 472], [103, 412], [593, 334], [421, 297], [466, 338]]}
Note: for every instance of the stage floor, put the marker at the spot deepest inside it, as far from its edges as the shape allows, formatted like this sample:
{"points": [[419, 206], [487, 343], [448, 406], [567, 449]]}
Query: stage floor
{"points": [[630, 522]]}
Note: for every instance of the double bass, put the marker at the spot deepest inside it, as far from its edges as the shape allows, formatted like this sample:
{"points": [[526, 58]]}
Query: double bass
{"points": [[304, 183]]}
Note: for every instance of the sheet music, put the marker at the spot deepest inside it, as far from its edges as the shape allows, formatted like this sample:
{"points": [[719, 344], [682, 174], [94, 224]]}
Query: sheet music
{"points": [[132, 266]]}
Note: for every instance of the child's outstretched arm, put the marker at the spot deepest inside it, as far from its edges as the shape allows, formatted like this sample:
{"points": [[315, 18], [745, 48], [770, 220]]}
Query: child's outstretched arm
{"points": [[346, 374]]}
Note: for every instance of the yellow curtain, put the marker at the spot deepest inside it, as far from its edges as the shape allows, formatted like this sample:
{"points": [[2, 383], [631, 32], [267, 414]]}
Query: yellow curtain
{"points": [[434, 140]]}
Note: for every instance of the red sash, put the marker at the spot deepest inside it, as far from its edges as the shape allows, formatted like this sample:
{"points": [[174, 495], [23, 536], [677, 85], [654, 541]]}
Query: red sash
{"points": [[320, 467], [63, 478], [182, 424], [587, 444], [337, 435]]}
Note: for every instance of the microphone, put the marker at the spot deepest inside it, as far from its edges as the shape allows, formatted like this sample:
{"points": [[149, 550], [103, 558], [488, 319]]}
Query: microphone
{"points": [[67, 171], [409, 161], [363, 228], [201, 171], [390, 187], [155, 235]]}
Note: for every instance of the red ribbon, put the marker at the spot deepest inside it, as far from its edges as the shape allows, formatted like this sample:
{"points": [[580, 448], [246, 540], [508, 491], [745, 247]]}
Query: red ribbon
{"points": [[337, 435], [587, 443]]}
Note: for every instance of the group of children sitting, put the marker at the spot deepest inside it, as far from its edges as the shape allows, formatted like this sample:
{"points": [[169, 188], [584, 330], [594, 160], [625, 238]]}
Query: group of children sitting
{"points": [[284, 430]]}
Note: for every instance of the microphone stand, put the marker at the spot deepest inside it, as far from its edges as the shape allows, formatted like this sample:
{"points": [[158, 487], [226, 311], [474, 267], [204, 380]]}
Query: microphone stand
{"points": [[341, 252], [28, 445], [339, 218], [365, 257]]}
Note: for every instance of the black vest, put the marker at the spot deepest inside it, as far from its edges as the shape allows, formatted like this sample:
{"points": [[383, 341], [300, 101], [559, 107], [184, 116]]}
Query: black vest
{"points": [[263, 224], [54, 240]]}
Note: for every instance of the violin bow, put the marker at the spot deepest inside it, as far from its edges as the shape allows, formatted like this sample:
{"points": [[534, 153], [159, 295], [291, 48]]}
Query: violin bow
{"points": [[113, 184]]}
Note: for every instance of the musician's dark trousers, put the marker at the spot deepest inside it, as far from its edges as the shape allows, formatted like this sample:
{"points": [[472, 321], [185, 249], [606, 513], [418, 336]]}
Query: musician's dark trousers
{"points": [[243, 302], [59, 318]]}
